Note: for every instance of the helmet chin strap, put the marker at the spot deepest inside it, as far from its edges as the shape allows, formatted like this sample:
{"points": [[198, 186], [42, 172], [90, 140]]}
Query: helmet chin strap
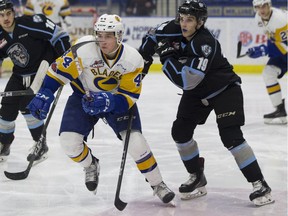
{"points": [[112, 54]]}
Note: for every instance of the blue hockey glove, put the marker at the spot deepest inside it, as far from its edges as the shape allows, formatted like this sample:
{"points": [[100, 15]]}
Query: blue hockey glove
{"points": [[258, 51], [100, 102], [40, 104], [165, 50]]}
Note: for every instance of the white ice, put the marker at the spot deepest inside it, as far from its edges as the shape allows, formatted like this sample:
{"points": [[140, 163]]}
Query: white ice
{"points": [[56, 186]]}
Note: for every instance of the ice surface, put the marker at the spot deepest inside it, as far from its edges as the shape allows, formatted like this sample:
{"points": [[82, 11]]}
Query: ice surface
{"points": [[56, 186]]}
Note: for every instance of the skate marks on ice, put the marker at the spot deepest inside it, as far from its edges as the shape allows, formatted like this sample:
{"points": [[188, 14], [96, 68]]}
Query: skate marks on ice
{"points": [[56, 186]]}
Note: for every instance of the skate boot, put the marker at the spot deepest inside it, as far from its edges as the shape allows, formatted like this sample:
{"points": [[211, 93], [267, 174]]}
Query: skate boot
{"points": [[261, 194], [279, 116], [92, 175], [40, 152], [4, 152], [163, 192], [194, 187]]}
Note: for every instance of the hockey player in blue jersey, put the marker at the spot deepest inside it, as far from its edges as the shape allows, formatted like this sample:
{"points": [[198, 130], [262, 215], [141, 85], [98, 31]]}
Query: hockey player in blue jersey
{"points": [[274, 23], [26, 40], [109, 71]]}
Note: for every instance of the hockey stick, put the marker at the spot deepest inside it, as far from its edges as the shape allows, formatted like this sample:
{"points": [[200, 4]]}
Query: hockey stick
{"points": [[239, 47], [35, 86], [24, 174], [74, 49], [119, 204]]}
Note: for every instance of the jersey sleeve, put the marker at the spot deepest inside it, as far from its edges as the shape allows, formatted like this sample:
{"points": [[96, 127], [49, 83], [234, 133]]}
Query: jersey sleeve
{"points": [[62, 71], [129, 89], [29, 8], [65, 10], [39, 26], [188, 72]]}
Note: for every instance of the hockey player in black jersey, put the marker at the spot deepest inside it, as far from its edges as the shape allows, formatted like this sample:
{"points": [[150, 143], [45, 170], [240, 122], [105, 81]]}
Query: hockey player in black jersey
{"points": [[168, 30], [198, 67], [26, 40]]}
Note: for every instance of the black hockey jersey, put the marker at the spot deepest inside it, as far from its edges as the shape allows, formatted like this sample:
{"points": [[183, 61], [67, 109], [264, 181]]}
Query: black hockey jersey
{"points": [[200, 67], [35, 38], [169, 30]]}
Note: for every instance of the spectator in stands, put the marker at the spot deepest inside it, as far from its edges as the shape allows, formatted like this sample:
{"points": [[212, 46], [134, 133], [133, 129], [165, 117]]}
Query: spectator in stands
{"points": [[140, 7], [57, 10]]}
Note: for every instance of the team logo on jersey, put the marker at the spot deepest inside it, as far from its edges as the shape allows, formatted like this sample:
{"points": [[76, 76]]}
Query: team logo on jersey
{"points": [[3, 42], [105, 83], [97, 64], [47, 8], [206, 50], [37, 19], [18, 55]]}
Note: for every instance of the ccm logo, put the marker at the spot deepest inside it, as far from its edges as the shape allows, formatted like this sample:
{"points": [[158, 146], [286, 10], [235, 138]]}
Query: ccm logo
{"points": [[222, 115]]}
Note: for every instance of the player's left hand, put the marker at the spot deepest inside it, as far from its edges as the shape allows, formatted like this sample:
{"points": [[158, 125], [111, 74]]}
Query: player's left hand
{"points": [[165, 50], [258, 51], [100, 102]]}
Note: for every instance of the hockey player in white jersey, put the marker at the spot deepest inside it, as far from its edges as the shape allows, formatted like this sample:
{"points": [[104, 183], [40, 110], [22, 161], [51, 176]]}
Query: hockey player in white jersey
{"points": [[58, 11], [109, 71], [274, 23]]}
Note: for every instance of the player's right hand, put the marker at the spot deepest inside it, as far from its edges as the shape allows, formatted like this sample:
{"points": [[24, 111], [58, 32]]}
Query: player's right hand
{"points": [[165, 50], [40, 104], [258, 51]]}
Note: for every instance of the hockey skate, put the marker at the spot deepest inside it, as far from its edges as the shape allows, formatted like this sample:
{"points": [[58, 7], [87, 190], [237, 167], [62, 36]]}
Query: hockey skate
{"points": [[261, 194], [4, 152], [92, 175], [279, 116], [194, 187], [40, 152], [164, 193]]}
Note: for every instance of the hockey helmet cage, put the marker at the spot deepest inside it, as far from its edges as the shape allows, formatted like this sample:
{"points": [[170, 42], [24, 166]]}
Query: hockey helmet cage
{"points": [[195, 8], [261, 2], [110, 23], [6, 4]]}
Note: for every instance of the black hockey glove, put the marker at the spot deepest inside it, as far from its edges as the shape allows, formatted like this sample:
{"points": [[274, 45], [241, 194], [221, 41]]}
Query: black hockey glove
{"points": [[165, 50]]}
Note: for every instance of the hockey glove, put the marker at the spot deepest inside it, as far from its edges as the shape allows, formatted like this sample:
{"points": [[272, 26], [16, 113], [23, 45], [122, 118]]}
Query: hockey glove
{"points": [[100, 102], [258, 51], [165, 50], [40, 104]]}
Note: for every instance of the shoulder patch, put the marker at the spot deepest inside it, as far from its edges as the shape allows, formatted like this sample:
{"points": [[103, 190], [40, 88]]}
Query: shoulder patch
{"points": [[37, 19], [206, 50]]}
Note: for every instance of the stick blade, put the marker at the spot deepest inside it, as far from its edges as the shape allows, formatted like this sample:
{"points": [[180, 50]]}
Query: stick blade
{"points": [[40, 75], [17, 176], [239, 46], [119, 204]]}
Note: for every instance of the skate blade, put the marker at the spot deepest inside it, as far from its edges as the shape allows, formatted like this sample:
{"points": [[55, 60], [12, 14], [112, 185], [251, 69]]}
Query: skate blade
{"points": [[276, 121], [264, 200], [172, 203], [94, 192], [43, 157], [201, 191]]}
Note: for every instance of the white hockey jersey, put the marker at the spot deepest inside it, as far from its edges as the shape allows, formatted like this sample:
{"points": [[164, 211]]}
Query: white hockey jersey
{"points": [[276, 28], [122, 75], [53, 9]]}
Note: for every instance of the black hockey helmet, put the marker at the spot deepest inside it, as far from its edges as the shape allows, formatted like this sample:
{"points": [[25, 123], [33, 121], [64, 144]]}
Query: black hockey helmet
{"points": [[6, 4], [195, 8]]}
